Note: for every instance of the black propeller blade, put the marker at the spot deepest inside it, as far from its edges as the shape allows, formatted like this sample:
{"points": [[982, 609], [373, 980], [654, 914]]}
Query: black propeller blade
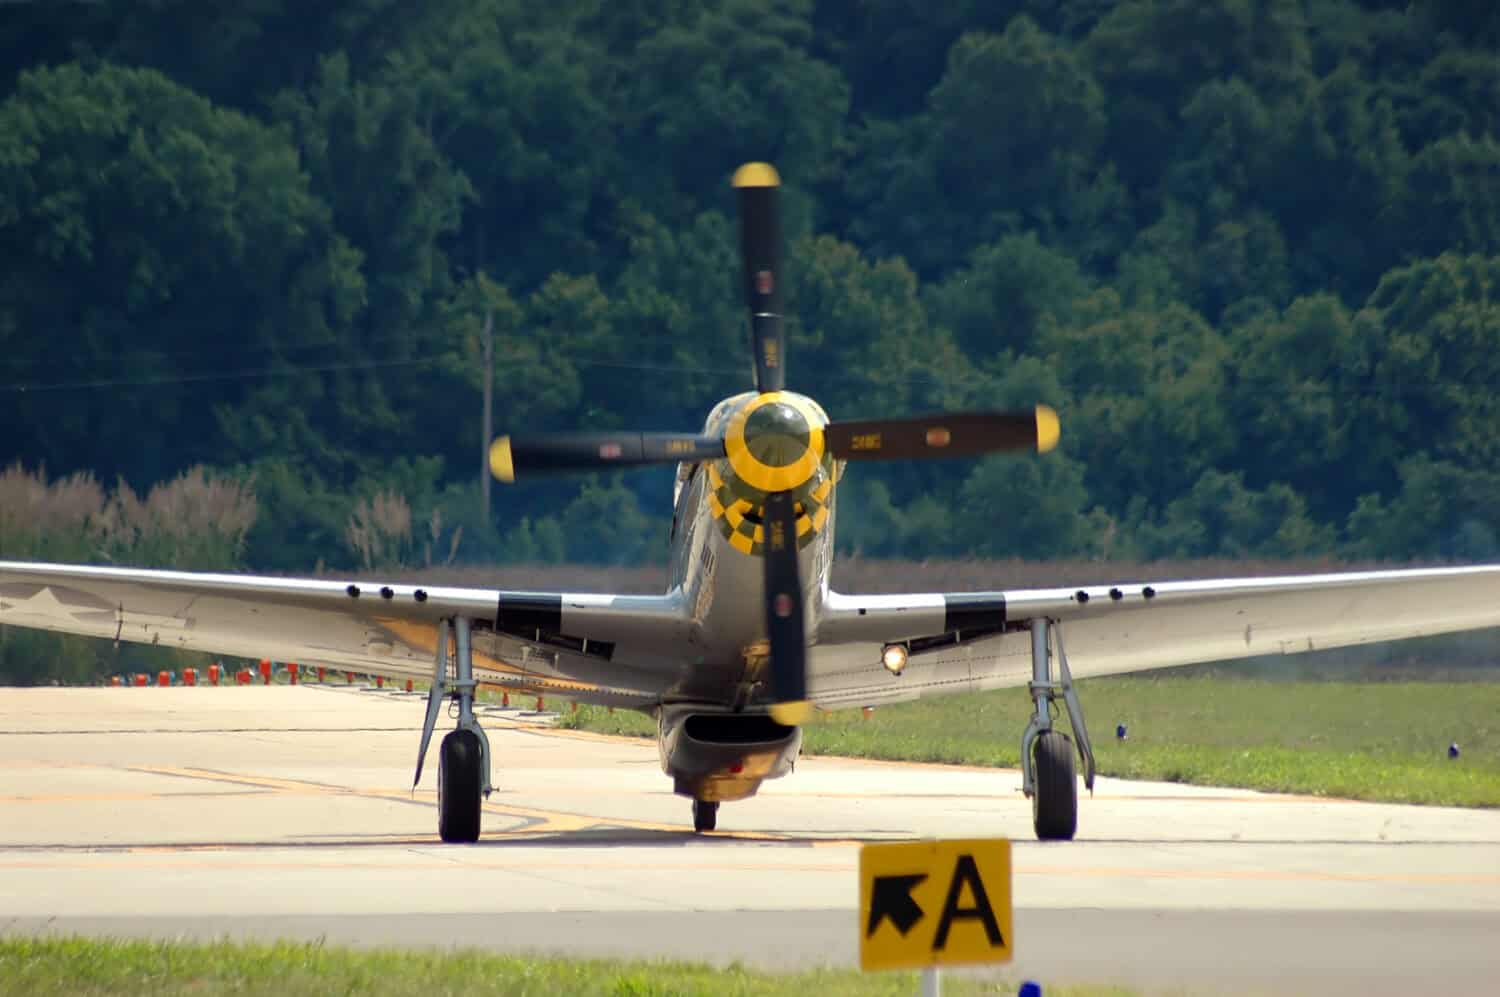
{"points": [[760, 255], [587, 451], [955, 435], [785, 630]]}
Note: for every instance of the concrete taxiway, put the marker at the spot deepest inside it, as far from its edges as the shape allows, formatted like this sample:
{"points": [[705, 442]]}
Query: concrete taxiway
{"points": [[285, 812]]}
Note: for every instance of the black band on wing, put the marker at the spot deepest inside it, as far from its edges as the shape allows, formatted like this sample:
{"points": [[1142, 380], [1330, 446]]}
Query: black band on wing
{"points": [[973, 612], [526, 614]]}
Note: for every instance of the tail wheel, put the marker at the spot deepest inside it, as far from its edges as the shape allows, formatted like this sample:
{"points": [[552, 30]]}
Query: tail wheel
{"points": [[1054, 804], [459, 790], [705, 815]]}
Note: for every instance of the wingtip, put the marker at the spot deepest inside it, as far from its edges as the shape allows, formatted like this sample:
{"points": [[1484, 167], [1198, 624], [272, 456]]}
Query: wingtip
{"points": [[757, 175], [792, 714], [501, 465], [1047, 428]]}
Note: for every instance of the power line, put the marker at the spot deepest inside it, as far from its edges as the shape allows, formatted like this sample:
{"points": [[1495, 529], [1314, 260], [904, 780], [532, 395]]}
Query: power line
{"points": [[239, 375], [1345, 385]]}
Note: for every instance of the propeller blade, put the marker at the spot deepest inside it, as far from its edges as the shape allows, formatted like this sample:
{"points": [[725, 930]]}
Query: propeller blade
{"points": [[950, 435], [784, 624], [760, 255], [586, 451]]}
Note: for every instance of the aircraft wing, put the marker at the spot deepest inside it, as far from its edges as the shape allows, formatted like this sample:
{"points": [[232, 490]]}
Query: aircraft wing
{"points": [[593, 648], [976, 640]]}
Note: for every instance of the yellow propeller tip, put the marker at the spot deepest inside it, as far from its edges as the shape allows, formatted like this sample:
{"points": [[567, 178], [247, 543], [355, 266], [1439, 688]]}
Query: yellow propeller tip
{"points": [[1047, 428], [501, 465], [757, 175], [792, 714]]}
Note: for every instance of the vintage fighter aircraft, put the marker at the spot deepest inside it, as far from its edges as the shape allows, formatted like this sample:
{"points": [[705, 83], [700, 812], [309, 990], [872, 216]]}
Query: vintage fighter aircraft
{"points": [[749, 635]]}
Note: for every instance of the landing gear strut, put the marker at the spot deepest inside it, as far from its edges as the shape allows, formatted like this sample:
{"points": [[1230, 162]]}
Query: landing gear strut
{"points": [[705, 815], [1047, 770], [464, 756]]}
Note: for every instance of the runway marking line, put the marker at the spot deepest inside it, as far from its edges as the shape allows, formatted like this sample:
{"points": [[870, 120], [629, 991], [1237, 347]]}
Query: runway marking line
{"points": [[127, 797], [539, 821], [839, 868], [1266, 875]]}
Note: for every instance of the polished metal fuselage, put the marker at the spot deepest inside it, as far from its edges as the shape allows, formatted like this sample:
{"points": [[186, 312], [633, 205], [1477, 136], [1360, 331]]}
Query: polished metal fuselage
{"points": [[723, 588]]}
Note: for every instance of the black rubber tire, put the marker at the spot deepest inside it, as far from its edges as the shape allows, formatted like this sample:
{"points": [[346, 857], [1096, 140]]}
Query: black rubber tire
{"points": [[459, 763], [705, 815], [1054, 805]]}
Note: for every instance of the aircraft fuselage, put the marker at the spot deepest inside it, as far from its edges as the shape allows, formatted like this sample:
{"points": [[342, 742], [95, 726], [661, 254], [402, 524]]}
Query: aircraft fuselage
{"points": [[774, 442]]}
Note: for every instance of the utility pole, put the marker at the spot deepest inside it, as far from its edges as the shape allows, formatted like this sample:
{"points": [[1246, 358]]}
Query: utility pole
{"points": [[488, 339]]}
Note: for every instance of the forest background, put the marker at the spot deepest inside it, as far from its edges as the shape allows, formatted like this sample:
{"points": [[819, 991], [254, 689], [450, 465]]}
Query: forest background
{"points": [[1249, 249]]}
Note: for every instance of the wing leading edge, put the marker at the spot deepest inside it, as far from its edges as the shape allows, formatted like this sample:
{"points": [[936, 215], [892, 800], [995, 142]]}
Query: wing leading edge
{"points": [[593, 647], [1115, 629]]}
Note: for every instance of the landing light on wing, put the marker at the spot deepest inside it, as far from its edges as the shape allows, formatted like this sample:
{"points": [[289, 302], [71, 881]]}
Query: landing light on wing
{"points": [[894, 658]]}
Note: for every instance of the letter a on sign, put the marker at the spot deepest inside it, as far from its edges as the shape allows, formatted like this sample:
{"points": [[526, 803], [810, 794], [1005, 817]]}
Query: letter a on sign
{"points": [[929, 903]]}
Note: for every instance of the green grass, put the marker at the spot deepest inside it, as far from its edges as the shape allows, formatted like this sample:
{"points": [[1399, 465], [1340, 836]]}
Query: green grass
{"points": [[1361, 740], [90, 967]]}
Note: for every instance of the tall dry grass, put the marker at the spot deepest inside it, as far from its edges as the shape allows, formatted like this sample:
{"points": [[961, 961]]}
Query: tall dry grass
{"points": [[199, 521], [53, 521], [379, 531], [196, 521]]}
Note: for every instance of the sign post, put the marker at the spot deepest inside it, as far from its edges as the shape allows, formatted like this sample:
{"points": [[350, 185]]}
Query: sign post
{"points": [[927, 904]]}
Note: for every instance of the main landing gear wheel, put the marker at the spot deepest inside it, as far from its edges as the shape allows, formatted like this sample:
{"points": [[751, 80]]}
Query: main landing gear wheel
{"points": [[705, 815], [1054, 804], [460, 783]]}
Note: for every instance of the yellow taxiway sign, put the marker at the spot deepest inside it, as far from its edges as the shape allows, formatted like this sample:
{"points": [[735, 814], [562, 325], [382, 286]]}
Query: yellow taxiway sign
{"points": [[933, 903]]}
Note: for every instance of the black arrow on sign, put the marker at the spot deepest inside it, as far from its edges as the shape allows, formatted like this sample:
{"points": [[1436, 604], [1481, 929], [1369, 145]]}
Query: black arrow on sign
{"points": [[891, 898]]}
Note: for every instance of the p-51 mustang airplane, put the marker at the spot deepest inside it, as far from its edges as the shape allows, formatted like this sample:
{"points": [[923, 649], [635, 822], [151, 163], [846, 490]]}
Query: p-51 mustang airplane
{"points": [[749, 635]]}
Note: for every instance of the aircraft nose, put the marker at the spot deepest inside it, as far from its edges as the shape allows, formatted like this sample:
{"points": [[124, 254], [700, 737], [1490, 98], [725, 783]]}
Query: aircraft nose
{"points": [[777, 434]]}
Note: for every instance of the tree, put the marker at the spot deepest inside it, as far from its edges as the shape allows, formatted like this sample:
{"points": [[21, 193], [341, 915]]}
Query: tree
{"points": [[991, 166], [1152, 55], [1437, 321], [738, 84], [1337, 186], [515, 98], [1299, 399], [1453, 200], [166, 257], [1020, 506], [859, 339], [1441, 510], [1220, 517], [1021, 151], [1150, 414], [1001, 299]]}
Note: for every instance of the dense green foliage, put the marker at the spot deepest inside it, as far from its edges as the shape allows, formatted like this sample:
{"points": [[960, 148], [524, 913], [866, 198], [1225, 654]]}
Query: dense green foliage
{"points": [[1250, 249]]}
